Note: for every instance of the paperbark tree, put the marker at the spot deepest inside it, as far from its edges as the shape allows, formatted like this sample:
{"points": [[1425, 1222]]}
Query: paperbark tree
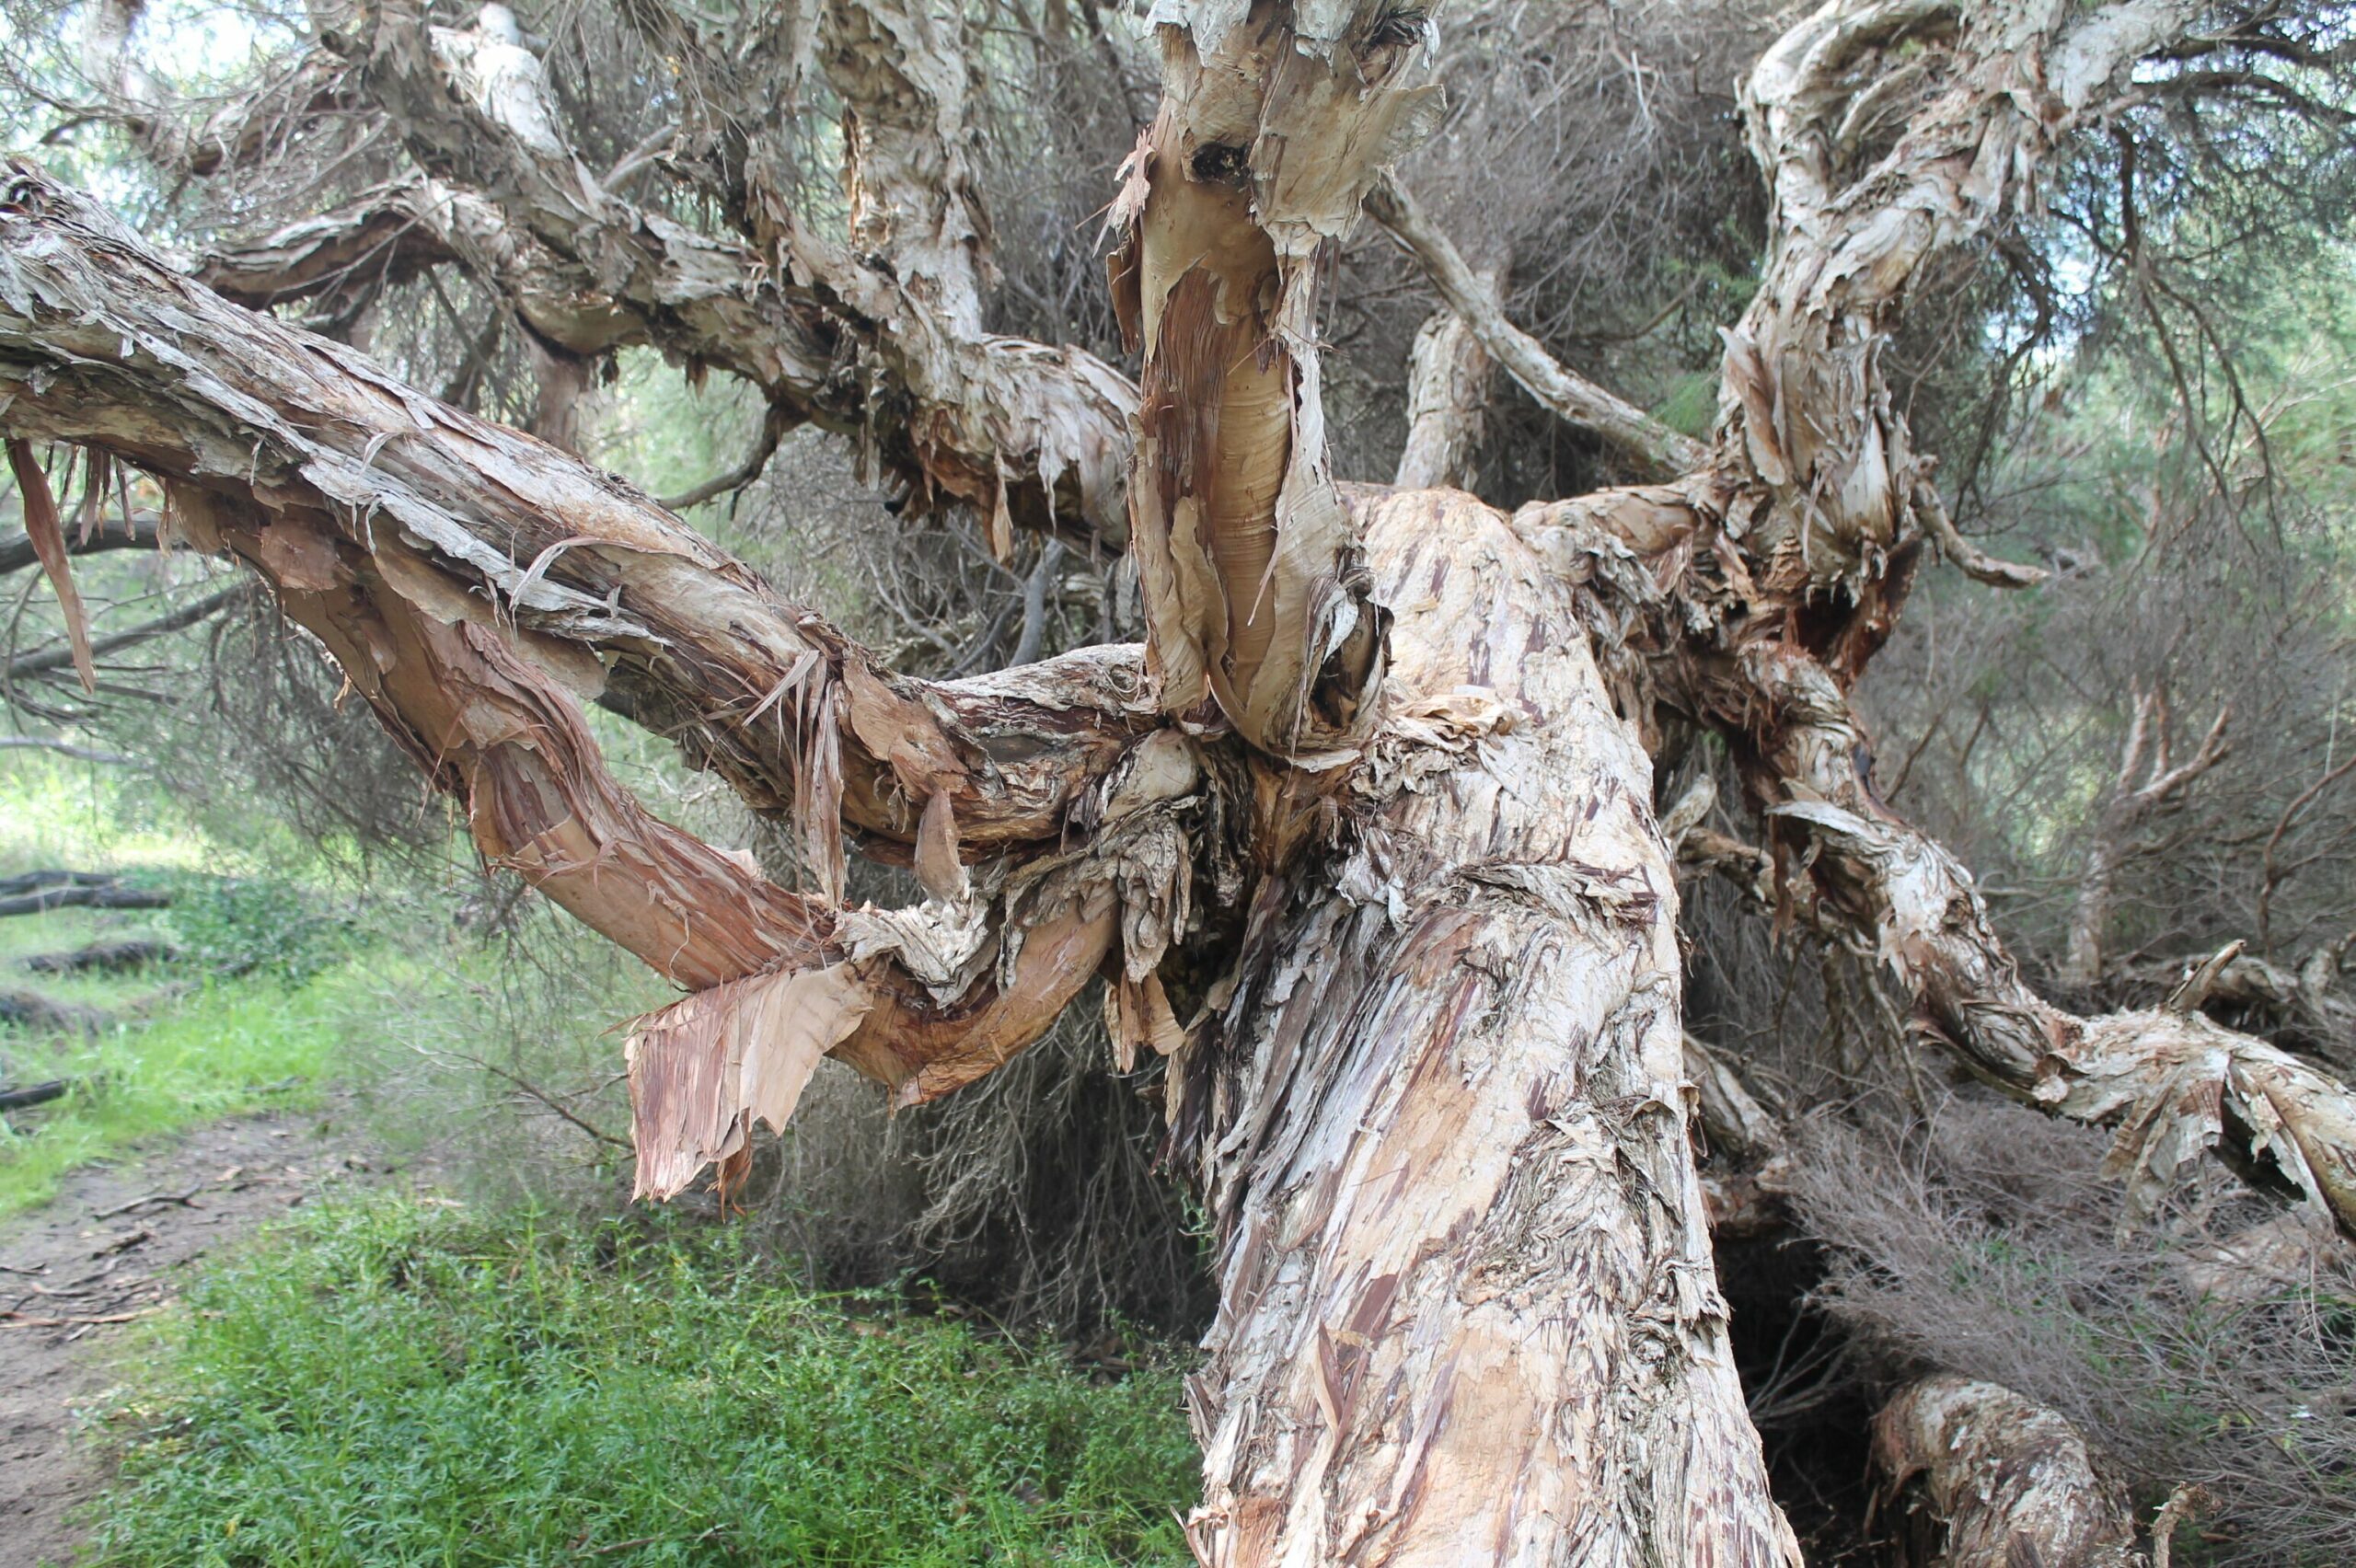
{"points": [[1363, 837]]}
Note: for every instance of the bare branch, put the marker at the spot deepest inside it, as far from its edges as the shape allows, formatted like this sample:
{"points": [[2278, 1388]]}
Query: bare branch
{"points": [[45, 661], [1661, 451], [112, 530], [66, 748], [2145, 784], [774, 424]]}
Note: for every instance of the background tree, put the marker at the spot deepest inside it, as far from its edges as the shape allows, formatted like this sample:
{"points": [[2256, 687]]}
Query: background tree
{"points": [[1372, 840]]}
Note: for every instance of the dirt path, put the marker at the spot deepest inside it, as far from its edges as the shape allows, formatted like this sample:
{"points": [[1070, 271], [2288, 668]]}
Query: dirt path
{"points": [[118, 1239]]}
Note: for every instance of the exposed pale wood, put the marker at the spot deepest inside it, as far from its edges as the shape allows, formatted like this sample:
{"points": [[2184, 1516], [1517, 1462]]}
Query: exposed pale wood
{"points": [[2006, 1482], [1448, 372]]}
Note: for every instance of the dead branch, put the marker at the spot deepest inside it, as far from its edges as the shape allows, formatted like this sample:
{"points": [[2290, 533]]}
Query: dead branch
{"points": [[34, 1094], [32, 1011], [112, 530], [35, 893], [1660, 450], [181, 1199], [133, 954], [2010, 1481], [66, 748], [45, 661], [2144, 786]]}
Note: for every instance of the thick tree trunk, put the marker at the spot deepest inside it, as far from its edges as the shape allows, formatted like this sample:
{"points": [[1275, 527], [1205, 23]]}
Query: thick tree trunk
{"points": [[1469, 1311], [1424, 1014]]}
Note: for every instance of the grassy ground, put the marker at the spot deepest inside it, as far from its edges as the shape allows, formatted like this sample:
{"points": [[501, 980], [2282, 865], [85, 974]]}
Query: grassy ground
{"points": [[405, 1381], [397, 1382], [182, 1043]]}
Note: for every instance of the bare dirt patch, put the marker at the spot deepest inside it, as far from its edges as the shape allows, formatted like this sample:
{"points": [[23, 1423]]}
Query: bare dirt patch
{"points": [[114, 1246]]}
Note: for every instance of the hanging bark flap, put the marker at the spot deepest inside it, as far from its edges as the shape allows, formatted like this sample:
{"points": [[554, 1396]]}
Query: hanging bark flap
{"points": [[49, 543], [708, 1067]]}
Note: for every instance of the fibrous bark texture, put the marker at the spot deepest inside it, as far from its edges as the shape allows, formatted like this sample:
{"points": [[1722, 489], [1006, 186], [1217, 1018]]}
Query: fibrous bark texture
{"points": [[1469, 1312], [1275, 120], [2008, 1484]]}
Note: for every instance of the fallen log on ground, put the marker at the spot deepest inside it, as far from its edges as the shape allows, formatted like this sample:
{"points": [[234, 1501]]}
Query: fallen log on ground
{"points": [[34, 1094], [35, 893], [108, 957]]}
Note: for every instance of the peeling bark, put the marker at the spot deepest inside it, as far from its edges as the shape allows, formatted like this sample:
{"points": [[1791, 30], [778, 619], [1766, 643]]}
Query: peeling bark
{"points": [[476, 587], [103, 346], [1012, 428], [1469, 1312], [1274, 121], [2007, 1484], [1748, 597]]}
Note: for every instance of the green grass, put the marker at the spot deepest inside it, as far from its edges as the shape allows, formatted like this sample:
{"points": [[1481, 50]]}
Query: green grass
{"points": [[390, 1382], [225, 1048]]}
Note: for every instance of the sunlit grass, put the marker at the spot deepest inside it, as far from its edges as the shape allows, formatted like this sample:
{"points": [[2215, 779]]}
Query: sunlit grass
{"points": [[393, 1383], [56, 811], [225, 1047]]}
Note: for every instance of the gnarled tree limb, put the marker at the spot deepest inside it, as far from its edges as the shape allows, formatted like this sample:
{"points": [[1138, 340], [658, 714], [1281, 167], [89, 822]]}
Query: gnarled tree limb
{"points": [[1012, 428]]}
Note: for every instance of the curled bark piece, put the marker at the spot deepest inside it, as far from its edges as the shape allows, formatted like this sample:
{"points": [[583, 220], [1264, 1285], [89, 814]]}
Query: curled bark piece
{"points": [[49, 543], [2009, 1483], [708, 1067]]}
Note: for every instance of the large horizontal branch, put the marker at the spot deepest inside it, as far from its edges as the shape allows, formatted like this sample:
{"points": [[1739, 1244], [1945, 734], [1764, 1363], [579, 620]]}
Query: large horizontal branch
{"points": [[1012, 428], [396, 230], [1657, 450], [102, 344], [477, 587]]}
